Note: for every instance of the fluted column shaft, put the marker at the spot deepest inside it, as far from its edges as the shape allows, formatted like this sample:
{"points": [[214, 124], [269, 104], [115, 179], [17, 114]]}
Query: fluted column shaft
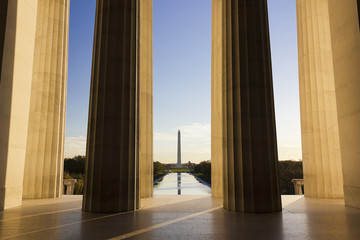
{"points": [[217, 76], [319, 123], [249, 137], [146, 97], [17, 34], [45, 140], [112, 167], [3, 16], [345, 40]]}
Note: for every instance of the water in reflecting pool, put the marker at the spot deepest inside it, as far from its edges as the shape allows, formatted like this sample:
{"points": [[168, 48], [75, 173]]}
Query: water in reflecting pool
{"points": [[180, 184]]}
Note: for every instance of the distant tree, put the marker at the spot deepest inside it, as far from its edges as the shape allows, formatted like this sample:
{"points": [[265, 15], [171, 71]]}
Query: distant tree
{"points": [[74, 168], [75, 165], [203, 167], [159, 168], [190, 165], [289, 170], [203, 171], [79, 186]]}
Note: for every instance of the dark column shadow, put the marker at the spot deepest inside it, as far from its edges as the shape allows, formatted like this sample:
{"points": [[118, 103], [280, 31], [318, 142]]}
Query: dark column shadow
{"points": [[6, 12], [3, 17]]}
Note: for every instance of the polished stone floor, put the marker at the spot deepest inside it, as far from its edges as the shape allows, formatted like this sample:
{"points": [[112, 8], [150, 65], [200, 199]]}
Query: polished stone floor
{"points": [[181, 217]]}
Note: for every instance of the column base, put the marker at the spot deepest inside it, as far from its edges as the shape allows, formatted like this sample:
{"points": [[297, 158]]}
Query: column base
{"points": [[352, 196], [10, 197]]}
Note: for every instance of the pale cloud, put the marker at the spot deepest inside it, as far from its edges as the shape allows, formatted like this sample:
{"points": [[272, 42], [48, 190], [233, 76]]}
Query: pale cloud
{"points": [[189, 132], [196, 131], [164, 137], [289, 150], [74, 146], [195, 143]]}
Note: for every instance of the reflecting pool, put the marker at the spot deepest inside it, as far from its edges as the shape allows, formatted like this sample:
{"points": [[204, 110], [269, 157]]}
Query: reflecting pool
{"points": [[180, 184]]}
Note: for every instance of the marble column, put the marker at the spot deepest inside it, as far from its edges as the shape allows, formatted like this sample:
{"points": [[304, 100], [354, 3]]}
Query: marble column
{"points": [[3, 16], [250, 177], [112, 166], [217, 76], [17, 36], [319, 124], [45, 139], [146, 98], [345, 40]]}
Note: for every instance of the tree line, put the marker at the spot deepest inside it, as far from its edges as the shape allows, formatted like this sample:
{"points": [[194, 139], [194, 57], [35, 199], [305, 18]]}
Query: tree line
{"points": [[288, 170], [75, 167]]}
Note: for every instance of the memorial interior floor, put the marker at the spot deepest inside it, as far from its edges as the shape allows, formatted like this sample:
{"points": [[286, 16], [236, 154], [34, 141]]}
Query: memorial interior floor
{"points": [[180, 217]]}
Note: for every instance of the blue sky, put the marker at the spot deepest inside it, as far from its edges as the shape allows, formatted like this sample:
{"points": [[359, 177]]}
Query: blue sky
{"points": [[182, 77]]}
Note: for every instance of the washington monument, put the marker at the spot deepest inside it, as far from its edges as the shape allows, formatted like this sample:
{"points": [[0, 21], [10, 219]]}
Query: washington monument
{"points": [[179, 151]]}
